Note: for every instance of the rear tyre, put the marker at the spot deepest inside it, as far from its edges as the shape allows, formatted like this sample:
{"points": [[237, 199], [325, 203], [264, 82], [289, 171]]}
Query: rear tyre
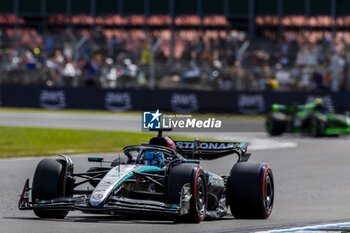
{"points": [[250, 191], [49, 182], [275, 126], [179, 176]]}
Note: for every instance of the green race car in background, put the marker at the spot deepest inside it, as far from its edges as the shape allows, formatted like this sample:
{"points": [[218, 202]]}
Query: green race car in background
{"points": [[314, 118]]}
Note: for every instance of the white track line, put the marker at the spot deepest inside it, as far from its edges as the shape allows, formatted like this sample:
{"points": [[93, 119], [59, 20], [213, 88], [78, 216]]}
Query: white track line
{"points": [[309, 228], [261, 143]]}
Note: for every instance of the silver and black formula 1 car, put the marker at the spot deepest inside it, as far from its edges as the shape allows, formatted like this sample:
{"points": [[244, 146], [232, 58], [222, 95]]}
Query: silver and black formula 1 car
{"points": [[162, 177]]}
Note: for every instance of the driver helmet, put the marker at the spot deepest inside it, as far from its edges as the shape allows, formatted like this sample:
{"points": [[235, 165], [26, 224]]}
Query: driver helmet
{"points": [[318, 101], [154, 158], [319, 105]]}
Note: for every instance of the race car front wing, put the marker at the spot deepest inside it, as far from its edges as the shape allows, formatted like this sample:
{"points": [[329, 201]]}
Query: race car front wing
{"points": [[114, 204]]}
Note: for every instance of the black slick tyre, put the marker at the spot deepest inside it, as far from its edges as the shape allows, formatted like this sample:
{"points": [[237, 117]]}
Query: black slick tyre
{"points": [[179, 176], [274, 125], [317, 129], [250, 191], [48, 183]]}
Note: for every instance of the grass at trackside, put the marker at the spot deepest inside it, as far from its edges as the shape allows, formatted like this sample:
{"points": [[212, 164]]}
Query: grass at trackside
{"points": [[31, 141], [130, 113]]}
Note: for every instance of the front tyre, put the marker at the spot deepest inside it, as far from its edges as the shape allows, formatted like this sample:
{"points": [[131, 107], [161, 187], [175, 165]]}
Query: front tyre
{"points": [[250, 191], [49, 182], [317, 127], [179, 176], [199, 201], [275, 124]]}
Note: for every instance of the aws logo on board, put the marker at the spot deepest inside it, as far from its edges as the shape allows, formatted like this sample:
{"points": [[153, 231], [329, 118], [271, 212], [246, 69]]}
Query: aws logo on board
{"points": [[52, 99], [251, 104], [118, 101], [184, 102]]}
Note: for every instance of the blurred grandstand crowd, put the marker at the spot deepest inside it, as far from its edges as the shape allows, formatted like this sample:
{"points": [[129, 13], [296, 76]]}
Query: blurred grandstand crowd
{"points": [[201, 60]]}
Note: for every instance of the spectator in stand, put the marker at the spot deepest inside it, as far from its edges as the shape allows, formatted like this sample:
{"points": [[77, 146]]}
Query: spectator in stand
{"points": [[70, 74], [317, 80], [307, 63], [90, 73], [199, 48], [146, 55]]}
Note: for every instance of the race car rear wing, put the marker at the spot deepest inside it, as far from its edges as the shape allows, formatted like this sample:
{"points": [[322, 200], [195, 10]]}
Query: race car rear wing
{"points": [[213, 150], [208, 150]]}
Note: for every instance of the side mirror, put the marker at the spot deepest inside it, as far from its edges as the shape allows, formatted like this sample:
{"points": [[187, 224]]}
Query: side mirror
{"points": [[95, 159]]}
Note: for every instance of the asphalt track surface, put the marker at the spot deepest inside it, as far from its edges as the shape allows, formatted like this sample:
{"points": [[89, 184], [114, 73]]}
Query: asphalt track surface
{"points": [[312, 185]]}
